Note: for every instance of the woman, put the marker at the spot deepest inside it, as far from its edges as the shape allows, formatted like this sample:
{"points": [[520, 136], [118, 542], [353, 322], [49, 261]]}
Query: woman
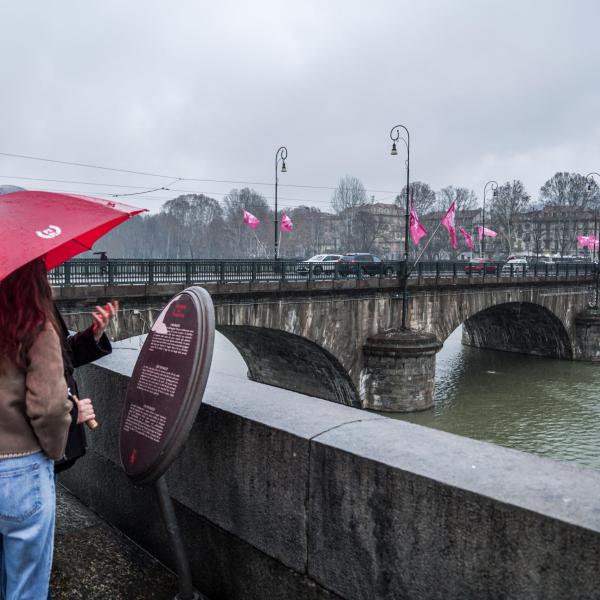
{"points": [[34, 422], [81, 349]]}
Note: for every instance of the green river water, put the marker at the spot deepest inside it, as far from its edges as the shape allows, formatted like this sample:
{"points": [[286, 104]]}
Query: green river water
{"points": [[539, 405]]}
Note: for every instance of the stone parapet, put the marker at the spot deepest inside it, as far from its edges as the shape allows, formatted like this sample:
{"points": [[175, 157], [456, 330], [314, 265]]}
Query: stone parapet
{"points": [[285, 496]]}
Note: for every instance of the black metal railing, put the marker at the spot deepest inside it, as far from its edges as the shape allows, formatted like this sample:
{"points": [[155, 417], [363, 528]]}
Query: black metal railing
{"points": [[162, 271]]}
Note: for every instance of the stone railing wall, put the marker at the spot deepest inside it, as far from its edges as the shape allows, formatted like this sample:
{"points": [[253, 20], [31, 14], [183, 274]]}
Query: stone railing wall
{"points": [[284, 496]]}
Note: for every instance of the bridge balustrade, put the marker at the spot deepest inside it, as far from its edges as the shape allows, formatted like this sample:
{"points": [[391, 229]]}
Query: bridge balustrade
{"points": [[84, 272]]}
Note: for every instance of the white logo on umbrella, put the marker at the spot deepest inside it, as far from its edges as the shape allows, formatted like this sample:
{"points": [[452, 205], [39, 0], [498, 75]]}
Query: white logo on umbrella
{"points": [[50, 232]]}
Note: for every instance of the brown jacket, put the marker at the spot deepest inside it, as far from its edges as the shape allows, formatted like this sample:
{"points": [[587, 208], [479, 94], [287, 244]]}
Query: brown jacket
{"points": [[34, 407]]}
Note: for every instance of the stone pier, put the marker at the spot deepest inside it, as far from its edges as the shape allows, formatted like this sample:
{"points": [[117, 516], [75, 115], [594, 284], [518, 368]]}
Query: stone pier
{"points": [[587, 335], [399, 371]]}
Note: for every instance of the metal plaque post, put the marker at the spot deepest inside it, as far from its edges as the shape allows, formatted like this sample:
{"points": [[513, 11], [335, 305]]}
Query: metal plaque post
{"points": [[163, 399]]}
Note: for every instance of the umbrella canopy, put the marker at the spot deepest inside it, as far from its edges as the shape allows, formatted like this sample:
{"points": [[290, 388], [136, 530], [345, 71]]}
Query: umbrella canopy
{"points": [[57, 226]]}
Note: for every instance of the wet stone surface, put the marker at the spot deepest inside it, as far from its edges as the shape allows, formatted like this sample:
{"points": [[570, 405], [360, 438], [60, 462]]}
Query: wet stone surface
{"points": [[94, 561]]}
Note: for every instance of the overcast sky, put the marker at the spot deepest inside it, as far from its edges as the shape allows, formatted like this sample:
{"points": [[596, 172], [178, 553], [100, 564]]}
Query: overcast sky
{"points": [[209, 90]]}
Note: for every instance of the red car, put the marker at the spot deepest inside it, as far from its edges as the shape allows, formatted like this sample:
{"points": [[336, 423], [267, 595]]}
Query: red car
{"points": [[476, 266]]}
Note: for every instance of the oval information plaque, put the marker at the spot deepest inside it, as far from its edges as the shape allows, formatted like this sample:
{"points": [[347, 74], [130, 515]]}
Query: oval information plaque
{"points": [[167, 385]]}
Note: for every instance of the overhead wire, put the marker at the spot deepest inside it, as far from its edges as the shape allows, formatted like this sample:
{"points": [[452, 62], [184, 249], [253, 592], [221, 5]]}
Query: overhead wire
{"points": [[165, 187], [164, 176], [283, 199]]}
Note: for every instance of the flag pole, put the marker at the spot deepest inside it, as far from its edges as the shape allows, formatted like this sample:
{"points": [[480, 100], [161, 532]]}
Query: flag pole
{"points": [[259, 244], [424, 248]]}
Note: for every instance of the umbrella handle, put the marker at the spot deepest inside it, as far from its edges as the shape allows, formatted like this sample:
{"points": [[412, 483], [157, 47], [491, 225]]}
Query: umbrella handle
{"points": [[91, 423]]}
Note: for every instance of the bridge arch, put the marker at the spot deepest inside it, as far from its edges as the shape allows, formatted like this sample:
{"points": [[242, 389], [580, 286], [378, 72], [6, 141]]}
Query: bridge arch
{"points": [[276, 357], [522, 327], [528, 320]]}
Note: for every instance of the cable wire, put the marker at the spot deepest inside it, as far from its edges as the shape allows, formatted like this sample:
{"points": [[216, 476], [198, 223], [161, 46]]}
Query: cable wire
{"points": [[196, 179]]}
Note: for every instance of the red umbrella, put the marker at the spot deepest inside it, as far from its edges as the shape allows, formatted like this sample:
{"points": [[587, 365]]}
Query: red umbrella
{"points": [[57, 226]]}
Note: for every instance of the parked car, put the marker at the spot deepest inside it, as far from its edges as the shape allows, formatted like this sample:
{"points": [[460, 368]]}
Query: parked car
{"points": [[476, 266], [367, 264], [516, 266], [322, 263]]}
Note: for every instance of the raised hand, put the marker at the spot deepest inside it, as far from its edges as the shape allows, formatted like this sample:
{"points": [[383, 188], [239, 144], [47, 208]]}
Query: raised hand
{"points": [[102, 317]]}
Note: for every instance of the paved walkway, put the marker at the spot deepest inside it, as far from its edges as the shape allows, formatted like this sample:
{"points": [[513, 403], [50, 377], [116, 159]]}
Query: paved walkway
{"points": [[94, 561]]}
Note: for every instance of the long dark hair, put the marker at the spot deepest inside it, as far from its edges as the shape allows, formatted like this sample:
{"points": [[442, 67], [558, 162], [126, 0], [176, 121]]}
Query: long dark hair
{"points": [[25, 306]]}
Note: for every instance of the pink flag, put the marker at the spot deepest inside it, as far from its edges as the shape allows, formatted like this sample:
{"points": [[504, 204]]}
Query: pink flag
{"points": [[448, 223], [417, 231], [286, 222], [481, 231], [583, 240], [251, 220], [588, 241], [467, 237]]}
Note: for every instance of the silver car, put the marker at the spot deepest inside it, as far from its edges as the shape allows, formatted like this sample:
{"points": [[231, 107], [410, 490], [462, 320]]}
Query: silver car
{"points": [[321, 263]]}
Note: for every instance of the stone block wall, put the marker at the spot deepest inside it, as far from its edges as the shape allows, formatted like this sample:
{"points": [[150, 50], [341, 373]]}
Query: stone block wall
{"points": [[285, 496]]}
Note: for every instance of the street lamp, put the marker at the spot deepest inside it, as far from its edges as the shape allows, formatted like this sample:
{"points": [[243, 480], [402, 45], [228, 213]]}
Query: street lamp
{"points": [[494, 186], [590, 182], [395, 136], [280, 155]]}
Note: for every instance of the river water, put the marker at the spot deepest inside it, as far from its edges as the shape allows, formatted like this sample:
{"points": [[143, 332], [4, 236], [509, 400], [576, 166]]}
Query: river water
{"points": [[539, 405]]}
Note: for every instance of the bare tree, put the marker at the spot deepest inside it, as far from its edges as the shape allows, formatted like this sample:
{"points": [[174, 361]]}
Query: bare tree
{"points": [[241, 240], [565, 232], [512, 200], [570, 189], [197, 217], [538, 232], [146, 236], [422, 197], [465, 199], [307, 238], [350, 193], [368, 229]]}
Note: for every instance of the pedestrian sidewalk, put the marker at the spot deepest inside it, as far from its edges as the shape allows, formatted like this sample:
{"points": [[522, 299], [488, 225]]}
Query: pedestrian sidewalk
{"points": [[94, 561]]}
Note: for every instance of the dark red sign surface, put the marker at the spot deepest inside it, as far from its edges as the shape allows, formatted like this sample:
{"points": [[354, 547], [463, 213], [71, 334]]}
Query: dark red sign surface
{"points": [[167, 385]]}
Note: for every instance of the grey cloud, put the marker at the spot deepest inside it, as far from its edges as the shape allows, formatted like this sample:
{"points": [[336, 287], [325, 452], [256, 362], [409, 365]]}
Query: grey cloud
{"points": [[489, 90]]}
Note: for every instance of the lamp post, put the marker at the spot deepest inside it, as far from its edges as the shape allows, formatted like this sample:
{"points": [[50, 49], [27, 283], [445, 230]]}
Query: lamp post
{"points": [[395, 136], [595, 254], [494, 186], [280, 155]]}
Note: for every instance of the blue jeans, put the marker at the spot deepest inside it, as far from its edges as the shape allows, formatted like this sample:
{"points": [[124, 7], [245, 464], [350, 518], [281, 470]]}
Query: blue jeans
{"points": [[27, 510]]}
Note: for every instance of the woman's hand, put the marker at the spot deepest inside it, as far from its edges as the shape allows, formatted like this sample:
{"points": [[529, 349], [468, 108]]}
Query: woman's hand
{"points": [[85, 410], [102, 317]]}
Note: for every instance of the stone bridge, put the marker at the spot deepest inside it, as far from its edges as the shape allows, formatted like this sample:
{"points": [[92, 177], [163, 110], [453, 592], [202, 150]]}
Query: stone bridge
{"points": [[340, 339]]}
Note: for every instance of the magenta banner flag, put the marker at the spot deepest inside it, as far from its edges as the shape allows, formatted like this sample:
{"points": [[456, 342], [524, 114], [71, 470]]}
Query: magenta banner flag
{"points": [[417, 231], [448, 223], [481, 231], [286, 222], [251, 220], [588, 241], [468, 238], [583, 240]]}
